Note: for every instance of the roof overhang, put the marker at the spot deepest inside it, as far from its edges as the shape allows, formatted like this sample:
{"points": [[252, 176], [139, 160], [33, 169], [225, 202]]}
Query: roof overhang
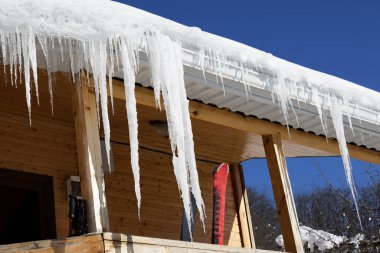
{"points": [[259, 102], [245, 83]]}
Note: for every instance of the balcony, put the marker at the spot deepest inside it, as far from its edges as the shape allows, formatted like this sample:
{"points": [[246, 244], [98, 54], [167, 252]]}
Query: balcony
{"points": [[120, 243]]}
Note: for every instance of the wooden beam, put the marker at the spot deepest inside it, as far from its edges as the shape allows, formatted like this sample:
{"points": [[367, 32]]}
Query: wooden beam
{"points": [[242, 206], [84, 244], [114, 242], [224, 117], [89, 157], [283, 193]]}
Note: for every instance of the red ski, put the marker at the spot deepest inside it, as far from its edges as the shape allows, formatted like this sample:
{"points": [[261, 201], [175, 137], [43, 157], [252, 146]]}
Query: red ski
{"points": [[220, 187]]}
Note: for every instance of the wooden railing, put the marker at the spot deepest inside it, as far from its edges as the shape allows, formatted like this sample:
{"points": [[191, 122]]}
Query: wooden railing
{"points": [[120, 243]]}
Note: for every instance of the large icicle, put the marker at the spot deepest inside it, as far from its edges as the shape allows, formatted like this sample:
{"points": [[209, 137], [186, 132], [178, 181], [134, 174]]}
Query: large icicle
{"points": [[165, 58], [98, 60], [45, 49], [337, 119], [128, 55], [25, 39]]}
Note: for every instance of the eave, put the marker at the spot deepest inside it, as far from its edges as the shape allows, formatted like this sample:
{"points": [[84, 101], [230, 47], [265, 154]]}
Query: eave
{"points": [[258, 102]]}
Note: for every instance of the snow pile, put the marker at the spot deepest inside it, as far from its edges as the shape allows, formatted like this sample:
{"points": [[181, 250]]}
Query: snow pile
{"points": [[357, 239], [105, 38], [320, 239]]}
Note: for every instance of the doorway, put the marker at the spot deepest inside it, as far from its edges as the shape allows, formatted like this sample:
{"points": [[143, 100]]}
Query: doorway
{"points": [[27, 207]]}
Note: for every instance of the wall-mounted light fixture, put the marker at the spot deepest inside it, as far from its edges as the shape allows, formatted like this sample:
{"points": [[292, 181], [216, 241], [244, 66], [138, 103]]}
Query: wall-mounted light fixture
{"points": [[161, 127]]}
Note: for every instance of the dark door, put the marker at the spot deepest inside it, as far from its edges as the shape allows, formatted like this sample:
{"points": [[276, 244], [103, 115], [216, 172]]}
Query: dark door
{"points": [[26, 208]]}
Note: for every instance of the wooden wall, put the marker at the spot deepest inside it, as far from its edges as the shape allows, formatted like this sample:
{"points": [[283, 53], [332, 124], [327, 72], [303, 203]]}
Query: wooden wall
{"points": [[46, 147], [161, 208]]}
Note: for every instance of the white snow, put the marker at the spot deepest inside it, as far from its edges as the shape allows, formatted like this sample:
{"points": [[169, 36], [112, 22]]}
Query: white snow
{"points": [[357, 239], [105, 37], [320, 239]]}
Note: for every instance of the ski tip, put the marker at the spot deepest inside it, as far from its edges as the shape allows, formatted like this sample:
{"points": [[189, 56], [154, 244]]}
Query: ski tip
{"points": [[222, 166]]}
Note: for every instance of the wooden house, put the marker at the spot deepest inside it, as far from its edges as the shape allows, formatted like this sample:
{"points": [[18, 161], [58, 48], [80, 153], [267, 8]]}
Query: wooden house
{"points": [[37, 159]]}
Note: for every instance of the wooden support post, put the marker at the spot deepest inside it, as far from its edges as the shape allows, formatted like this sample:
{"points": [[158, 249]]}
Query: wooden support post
{"points": [[89, 157], [242, 206], [283, 193]]}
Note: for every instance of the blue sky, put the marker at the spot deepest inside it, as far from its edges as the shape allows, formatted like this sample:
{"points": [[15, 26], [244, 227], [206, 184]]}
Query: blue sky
{"points": [[341, 38]]}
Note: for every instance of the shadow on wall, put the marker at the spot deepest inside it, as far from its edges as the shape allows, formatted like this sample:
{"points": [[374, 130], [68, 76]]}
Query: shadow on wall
{"points": [[162, 207]]}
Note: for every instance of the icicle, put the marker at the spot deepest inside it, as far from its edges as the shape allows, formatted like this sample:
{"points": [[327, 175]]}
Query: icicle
{"points": [[129, 61], [349, 117], [33, 61], [98, 61], [165, 58], [97, 50], [4, 46], [71, 56], [110, 68], [190, 161], [281, 92], [45, 49], [189, 143], [94, 63], [199, 60], [153, 48], [26, 64], [104, 97], [19, 56], [337, 119], [317, 103]]}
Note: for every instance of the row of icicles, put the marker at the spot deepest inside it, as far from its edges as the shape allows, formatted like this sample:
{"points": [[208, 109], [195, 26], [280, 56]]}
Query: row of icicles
{"points": [[102, 57]]}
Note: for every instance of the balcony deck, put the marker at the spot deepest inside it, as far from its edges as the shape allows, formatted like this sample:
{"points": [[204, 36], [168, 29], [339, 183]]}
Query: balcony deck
{"points": [[119, 243]]}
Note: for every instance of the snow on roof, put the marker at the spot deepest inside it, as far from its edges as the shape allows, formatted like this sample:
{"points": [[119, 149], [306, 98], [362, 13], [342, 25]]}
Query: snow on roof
{"points": [[89, 20], [109, 38]]}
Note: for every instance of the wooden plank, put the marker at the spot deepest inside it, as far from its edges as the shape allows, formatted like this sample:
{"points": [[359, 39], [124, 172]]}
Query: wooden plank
{"points": [[114, 242], [120, 243], [89, 157], [283, 193], [209, 138], [48, 147], [83, 244], [242, 206], [224, 117]]}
